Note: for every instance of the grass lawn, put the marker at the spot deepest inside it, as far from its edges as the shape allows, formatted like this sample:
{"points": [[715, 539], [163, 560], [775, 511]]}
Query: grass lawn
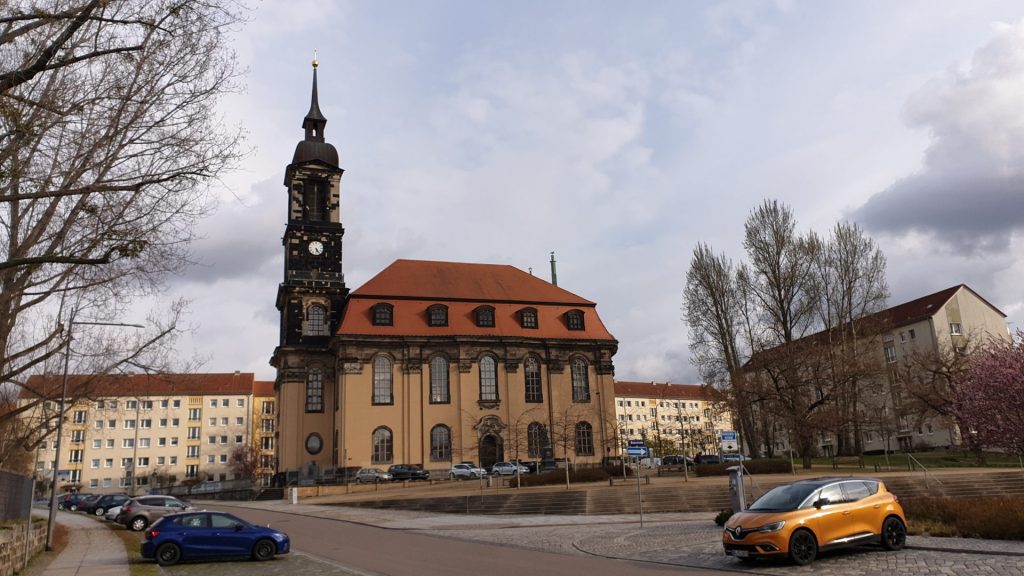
{"points": [[933, 459]]}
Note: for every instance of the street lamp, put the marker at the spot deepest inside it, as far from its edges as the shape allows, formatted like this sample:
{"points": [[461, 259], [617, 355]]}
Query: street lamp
{"points": [[60, 421]]}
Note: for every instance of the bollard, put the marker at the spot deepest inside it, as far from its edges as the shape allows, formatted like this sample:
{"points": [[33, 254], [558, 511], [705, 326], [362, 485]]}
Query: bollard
{"points": [[293, 495]]}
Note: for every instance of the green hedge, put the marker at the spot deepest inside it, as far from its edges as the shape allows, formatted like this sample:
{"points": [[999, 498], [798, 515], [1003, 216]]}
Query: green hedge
{"points": [[761, 466], [577, 475]]}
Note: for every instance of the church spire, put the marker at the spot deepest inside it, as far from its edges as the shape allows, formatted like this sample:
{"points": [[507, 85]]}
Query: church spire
{"points": [[314, 121]]}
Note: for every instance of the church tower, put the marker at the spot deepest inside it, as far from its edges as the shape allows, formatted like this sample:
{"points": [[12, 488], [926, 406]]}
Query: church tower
{"points": [[312, 295]]}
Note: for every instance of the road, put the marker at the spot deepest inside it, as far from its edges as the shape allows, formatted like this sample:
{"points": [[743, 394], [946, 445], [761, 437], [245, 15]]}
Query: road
{"points": [[379, 551]]}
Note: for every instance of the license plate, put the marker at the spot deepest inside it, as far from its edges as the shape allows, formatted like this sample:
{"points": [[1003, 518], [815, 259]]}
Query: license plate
{"points": [[739, 553]]}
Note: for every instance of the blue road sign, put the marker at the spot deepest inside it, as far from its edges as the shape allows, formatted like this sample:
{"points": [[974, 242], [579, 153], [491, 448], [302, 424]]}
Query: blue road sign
{"points": [[636, 444], [728, 436], [638, 451]]}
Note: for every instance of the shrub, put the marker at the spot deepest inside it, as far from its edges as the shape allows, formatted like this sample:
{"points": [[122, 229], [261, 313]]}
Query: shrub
{"points": [[577, 475], [723, 516], [760, 466], [990, 517]]}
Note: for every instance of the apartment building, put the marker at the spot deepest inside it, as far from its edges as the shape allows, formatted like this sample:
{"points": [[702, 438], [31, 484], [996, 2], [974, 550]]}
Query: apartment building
{"points": [[133, 432], [680, 418]]}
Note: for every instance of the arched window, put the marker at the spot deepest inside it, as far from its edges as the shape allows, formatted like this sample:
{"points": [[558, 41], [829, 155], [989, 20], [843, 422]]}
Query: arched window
{"points": [[488, 378], [439, 381], [316, 320], [528, 317], [531, 371], [584, 439], [536, 439], [580, 381], [382, 389], [383, 449], [437, 315], [314, 390], [440, 443], [383, 314], [485, 316], [574, 319]]}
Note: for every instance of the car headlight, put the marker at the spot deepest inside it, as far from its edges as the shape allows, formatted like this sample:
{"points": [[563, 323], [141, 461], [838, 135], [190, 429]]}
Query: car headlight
{"points": [[773, 527]]}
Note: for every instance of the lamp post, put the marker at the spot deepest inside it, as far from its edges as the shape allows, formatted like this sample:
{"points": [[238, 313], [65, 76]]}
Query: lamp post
{"points": [[60, 421]]}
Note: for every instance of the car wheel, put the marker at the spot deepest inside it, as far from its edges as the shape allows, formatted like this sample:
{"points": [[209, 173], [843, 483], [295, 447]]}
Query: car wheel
{"points": [[138, 524], [894, 533], [99, 511], [803, 548], [451, 476], [168, 554], [264, 550]]}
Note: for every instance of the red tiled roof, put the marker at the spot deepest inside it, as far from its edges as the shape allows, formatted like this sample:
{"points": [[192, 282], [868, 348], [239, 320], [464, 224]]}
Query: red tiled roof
{"points": [[139, 384], [430, 280], [411, 286], [926, 306], [263, 388], [666, 391]]}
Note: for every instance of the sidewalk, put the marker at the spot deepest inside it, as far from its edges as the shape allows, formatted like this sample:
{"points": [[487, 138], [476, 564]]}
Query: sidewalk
{"points": [[93, 550]]}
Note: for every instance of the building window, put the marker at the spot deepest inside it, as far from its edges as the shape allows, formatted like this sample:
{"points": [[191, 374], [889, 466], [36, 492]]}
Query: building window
{"points": [[383, 314], [913, 334], [531, 371], [584, 439], [580, 381], [488, 378], [439, 392], [574, 319], [890, 354], [314, 443], [267, 426], [79, 417], [314, 196], [193, 414], [536, 438], [382, 389], [316, 320], [528, 317], [440, 443], [267, 443], [314, 390], [954, 328], [484, 316], [268, 407], [437, 315], [382, 446]]}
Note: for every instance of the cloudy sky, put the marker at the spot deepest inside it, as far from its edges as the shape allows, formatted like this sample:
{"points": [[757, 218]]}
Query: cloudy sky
{"points": [[618, 135]]}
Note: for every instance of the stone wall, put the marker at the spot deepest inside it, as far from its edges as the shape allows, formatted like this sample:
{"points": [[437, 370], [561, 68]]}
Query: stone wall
{"points": [[12, 545]]}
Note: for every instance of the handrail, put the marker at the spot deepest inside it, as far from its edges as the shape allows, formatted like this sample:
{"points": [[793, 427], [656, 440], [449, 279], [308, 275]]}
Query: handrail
{"points": [[753, 482], [913, 461]]}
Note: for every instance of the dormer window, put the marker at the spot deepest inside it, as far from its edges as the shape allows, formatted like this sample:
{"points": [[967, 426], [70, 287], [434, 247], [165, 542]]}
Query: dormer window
{"points": [[437, 315], [574, 319], [528, 317], [485, 317], [383, 314]]}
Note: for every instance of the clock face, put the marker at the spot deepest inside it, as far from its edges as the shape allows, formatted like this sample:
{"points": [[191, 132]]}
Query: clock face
{"points": [[316, 248]]}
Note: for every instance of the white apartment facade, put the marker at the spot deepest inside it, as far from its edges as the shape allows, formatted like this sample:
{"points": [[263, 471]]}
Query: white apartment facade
{"points": [[684, 417], [129, 433]]}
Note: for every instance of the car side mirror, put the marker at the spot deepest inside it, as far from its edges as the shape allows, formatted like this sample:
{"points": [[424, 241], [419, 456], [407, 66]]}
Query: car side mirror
{"points": [[239, 527], [820, 502]]}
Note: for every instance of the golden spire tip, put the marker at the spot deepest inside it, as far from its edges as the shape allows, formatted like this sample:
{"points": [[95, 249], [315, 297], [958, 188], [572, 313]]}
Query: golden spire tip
{"points": [[315, 62]]}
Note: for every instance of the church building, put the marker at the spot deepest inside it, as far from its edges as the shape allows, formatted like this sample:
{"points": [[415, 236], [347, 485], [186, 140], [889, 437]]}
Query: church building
{"points": [[428, 363]]}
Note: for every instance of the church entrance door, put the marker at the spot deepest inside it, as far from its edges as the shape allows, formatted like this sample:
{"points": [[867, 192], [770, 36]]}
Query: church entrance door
{"points": [[490, 451]]}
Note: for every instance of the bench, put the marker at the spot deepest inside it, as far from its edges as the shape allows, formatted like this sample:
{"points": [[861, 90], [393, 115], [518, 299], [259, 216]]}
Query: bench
{"points": [[855, 461]]}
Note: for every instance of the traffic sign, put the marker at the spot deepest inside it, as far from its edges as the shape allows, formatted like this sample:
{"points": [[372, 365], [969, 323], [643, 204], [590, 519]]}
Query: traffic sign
{"points": [[638, 451], [728, 436], [635, 443]]}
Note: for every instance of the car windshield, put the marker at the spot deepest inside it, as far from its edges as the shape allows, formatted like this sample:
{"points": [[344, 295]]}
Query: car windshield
{"points": [[786, 497]]}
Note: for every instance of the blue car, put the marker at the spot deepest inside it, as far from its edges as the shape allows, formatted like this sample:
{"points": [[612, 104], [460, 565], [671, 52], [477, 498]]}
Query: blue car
{"points": [[210, 535]]}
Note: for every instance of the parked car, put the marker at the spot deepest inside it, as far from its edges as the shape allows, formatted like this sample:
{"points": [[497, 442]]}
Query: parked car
{"points": [[112, 514], [100, 505], [508, 469], [733, 458], [71, 500], [408, 472], [531, 465], [84, 502], [216, 535], [707, 459], [140, 512], [371, 475], [466, 471], [676, 460], [801, 519]]}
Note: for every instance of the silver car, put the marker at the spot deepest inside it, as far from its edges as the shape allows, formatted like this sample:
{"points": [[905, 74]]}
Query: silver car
{"points": [[372, 475], [140, 512], [508, 469], [466, 471]]}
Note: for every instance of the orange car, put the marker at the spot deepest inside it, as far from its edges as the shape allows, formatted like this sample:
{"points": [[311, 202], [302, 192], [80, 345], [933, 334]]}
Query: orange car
{"points": [[800, 519]]}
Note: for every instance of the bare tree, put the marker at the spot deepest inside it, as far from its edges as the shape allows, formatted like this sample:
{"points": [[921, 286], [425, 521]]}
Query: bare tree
{"points": [[245, 461], [109, 141]]}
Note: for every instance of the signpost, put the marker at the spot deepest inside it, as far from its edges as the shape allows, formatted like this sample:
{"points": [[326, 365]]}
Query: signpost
{"points": [[638, 450], [730, 441]]}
